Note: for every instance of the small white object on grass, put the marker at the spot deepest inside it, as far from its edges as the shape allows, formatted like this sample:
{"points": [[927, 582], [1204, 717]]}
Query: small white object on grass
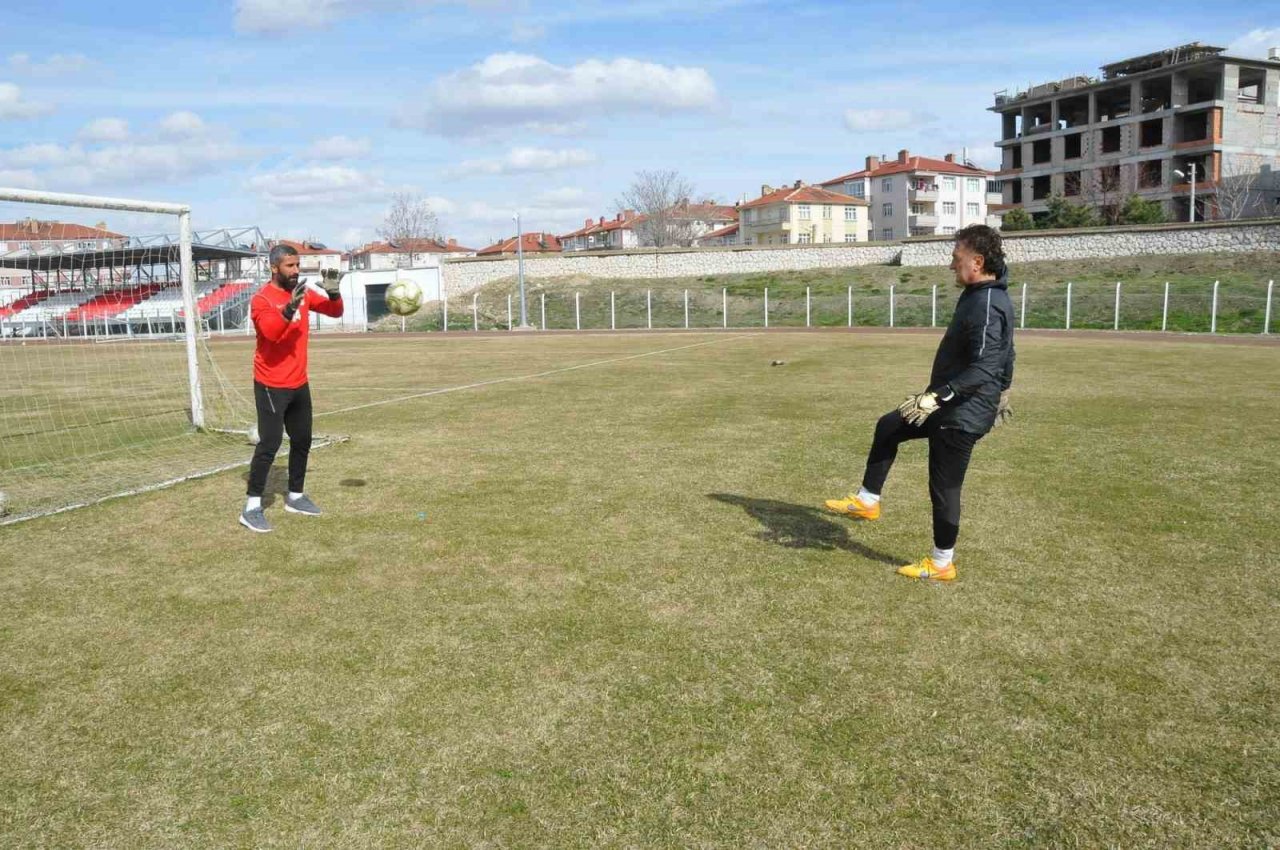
{"points": [[778, 363]]}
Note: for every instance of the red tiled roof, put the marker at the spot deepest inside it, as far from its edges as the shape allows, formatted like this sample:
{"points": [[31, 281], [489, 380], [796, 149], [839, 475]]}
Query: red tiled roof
{"points": [[417, 246], [724, 231], [305, 248], [705, 212], [32, 230], [804, 195], [533, 243], [914, 163]]}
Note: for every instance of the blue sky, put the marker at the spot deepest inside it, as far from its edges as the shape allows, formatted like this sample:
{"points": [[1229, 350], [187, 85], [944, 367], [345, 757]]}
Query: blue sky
{"points": [[304, 116]]}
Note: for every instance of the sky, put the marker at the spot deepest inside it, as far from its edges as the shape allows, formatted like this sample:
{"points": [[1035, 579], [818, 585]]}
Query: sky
{"points": [[305, 117]]}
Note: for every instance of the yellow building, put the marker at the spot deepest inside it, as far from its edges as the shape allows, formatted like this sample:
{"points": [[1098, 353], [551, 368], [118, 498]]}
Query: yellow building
{"points": [[802, 215]]}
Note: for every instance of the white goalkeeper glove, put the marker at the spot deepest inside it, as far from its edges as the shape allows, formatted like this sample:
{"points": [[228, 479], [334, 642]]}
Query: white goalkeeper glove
{"points": [[915, 409], [1004, 413], [331, 280]]}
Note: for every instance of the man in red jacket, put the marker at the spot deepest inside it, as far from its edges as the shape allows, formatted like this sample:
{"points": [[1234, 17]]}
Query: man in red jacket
{"points": [[281, 313]]}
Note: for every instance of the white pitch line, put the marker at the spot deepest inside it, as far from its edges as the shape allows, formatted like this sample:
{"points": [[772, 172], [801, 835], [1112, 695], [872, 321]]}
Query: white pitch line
{"points": [[545, 374]]}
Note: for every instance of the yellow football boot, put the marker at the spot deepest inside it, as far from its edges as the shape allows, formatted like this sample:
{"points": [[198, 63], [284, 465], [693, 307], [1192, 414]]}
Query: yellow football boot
{"points": [[924, 568], [852, 506]]}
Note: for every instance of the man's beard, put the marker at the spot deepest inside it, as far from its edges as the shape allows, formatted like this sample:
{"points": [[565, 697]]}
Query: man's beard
{"points": [[286, 282]]}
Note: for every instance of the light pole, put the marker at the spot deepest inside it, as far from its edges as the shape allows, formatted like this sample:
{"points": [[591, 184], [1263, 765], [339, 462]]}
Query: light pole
{"points": [[1191, 169], [524, 315]]}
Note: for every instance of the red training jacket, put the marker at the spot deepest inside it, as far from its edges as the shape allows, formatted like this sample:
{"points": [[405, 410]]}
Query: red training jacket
{"points": [[280, 360]]}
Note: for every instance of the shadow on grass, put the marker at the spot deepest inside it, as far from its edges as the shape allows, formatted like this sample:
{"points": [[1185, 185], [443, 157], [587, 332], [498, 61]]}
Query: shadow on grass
{"points": [[802, 527]]}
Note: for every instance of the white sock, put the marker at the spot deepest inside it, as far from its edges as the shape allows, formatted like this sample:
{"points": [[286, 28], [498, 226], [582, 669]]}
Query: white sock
{"points": [[253, 503], [942, 557], [293, 497], [867, 497]]}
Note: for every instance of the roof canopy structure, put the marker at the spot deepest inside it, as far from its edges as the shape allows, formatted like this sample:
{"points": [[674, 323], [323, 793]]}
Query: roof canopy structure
{"points": [[206, 246]]}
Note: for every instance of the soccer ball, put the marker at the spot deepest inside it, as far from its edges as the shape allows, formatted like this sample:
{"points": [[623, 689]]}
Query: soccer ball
{"points": [[404, 297]]}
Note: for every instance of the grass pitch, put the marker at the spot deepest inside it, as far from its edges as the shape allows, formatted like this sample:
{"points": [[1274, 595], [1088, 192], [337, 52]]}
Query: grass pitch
{"points": [[600, 607]]}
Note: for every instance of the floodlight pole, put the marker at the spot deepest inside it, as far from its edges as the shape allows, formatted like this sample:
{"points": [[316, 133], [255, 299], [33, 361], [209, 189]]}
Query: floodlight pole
{"points": [[524, 315]]}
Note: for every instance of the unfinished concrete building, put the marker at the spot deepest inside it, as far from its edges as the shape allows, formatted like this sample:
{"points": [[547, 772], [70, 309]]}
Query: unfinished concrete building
{"points": [[1141, 128]]}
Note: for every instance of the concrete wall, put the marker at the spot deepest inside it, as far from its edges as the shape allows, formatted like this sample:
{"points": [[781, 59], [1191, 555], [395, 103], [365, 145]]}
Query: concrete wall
{"points": [[461, 276]]}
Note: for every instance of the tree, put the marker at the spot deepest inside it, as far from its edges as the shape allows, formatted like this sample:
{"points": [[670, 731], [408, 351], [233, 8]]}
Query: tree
{"points": [[1063, 214], [1238, 192], [1017, 219], [655, 195], [1138, 210], [410, 219]]}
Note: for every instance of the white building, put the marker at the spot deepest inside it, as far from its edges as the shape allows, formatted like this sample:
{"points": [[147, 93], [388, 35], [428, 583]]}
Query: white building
{"points": [[920, 196], [412, 254]]}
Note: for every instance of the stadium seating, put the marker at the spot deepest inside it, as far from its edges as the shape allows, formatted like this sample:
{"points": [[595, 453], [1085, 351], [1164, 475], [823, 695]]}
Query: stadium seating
{"points": [[25, 302], [108, 304]]}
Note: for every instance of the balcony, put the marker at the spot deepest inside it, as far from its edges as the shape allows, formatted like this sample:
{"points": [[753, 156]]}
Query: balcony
{"points": [[927, 220], [923, 193]]}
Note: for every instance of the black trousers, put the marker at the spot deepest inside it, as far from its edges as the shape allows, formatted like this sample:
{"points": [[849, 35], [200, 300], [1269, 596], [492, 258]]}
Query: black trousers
{"points": [[281, 411], [949, 452]]}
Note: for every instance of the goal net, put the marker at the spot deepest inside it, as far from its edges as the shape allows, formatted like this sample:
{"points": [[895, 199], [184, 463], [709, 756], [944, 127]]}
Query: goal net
{"points": [[118, 329]]}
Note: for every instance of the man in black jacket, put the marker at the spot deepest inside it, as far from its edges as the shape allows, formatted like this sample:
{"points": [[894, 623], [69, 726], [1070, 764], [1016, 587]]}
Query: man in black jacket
{"points": [[967, 396]]}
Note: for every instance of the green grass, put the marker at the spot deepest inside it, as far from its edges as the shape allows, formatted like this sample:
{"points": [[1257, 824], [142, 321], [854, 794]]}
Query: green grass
{"points": [[599, 608], [1242, 296]]}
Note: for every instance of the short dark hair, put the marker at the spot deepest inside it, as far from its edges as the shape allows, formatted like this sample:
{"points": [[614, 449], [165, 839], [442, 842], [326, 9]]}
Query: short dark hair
{"points": [[985, 242], [279, 252]]}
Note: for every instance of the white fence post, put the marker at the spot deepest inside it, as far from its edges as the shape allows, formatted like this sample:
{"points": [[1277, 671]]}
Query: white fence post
{"points": [[1022, 316], [1068, 325], [475, 311], [686, 309], [508, 311], [1164, 314], [613, 314], [1266, 316], [724, 306], [891, 305], [543, 301], [766, 306], [806, 306], [1213, 311], [1116, 324], [648, 309], [577, 311], [933, 311], [444, 308], [851, 306]]}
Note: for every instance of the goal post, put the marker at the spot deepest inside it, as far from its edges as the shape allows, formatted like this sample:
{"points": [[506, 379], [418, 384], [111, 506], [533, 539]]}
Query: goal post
{"points": [[110, 383]]}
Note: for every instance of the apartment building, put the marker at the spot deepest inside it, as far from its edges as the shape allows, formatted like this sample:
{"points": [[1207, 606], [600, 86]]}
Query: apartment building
{"points": [[801, 215], [921, 196], [31, 234], [1144, 126], [409, 254], [605, 234]]}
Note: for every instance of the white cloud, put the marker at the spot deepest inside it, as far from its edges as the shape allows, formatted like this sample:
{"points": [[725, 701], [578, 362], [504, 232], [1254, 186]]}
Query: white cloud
{"points": [[13, 105], [105, 130], [315, 185], [875, 120], [522, 33], [528, 160], [509, 90], [52, 66], [338, 147], [147, 162], [275, 16], [183, 125], [19, 179], [1255, 43]]}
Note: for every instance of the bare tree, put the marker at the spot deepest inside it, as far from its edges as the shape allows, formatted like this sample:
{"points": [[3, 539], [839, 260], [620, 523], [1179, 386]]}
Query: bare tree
{"points": [[656, 196], [1107, 191], [410, 219], [1238, 191]]}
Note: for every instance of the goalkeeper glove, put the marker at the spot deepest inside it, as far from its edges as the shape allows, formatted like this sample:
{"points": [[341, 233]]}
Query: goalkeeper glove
{"points": [[1004, 413], [331, 280], [299, 292], [915, 409]]}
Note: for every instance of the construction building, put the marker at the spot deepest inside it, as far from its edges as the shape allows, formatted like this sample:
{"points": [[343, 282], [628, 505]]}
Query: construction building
{"points": [[1144, 127]]}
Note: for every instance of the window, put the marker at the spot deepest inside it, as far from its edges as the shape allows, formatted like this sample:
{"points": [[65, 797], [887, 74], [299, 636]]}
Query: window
{"points": [[826, 211], [851, 237], [88, 246], [886, 210], [826, 237], [850, 213], [948, 207], [971, 209], [887, 233], [804, 212], [948, 230], [859, 189], [804, 238], [746, 216], [971, 184], [886, 184], [24, 246], [949, 183], [917, 209]]}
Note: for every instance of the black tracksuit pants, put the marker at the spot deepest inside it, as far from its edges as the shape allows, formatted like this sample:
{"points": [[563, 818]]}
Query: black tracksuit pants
{"points": [[281, 411], [949, 451]]}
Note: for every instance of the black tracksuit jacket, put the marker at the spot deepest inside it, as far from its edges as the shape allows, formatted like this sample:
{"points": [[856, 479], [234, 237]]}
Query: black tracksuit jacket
{"points": [[975, 357]]}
